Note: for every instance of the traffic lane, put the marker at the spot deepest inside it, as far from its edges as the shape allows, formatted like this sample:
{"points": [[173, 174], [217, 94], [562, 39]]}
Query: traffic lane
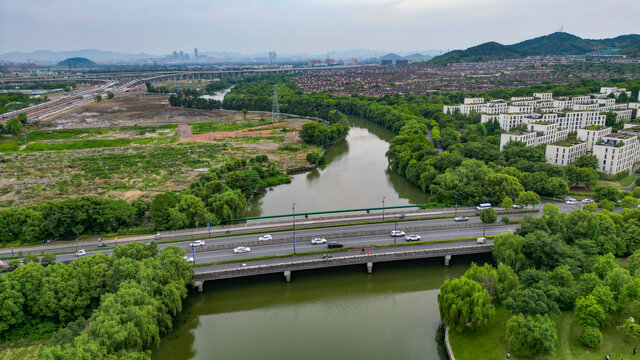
{"points": [[328, 233], [352, 252], [356, 242]]}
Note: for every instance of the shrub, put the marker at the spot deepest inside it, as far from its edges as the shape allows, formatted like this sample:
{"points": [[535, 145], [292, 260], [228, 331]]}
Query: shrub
{"points": [[313, 158], [48, 258], [505, 220], [531, 335], [590, 336]]}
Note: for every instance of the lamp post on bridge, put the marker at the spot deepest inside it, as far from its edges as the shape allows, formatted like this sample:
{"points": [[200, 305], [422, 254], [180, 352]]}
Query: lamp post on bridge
{"points": [[294, 227], [383, 197], [395, 230], [456, 212]]}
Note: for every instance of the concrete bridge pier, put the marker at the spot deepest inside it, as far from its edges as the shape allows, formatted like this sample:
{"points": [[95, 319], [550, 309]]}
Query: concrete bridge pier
{"points": [[287, 276], [198, 285], [447, 258], [369, 267]]}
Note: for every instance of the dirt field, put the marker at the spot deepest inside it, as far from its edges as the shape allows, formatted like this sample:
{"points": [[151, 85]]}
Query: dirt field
{"points": [[135, 109], [162, 153]]}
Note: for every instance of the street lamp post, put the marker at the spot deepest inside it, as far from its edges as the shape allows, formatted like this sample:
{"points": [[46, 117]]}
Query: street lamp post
{"points": [[383, 208], [294, 227], [456, 212]]}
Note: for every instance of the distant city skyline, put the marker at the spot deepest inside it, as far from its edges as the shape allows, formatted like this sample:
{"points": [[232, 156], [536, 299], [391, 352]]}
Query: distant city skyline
{"points": [[300, 26]]}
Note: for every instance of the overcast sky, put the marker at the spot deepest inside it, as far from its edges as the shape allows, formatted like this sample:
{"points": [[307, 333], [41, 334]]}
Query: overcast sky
{"points": [[310, 26]]}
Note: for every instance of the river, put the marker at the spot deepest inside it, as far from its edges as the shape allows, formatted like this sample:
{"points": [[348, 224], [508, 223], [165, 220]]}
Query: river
{"points": [[355, 175], [340, 313]]}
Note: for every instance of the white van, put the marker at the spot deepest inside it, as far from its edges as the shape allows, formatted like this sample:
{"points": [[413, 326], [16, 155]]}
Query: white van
{"points": [[483, 206]]}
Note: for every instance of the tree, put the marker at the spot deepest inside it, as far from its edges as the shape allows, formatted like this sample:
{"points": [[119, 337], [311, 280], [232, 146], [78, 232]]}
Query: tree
{"points": [[531, 335], [507, 249], [312, 158], [604, 265], [530, 301], [487, 216], [11, 301], [605, 192], [13, 126], [244, 113], [30, 258], [465, 303], [607, 205], [98, 98], [591, 207], [507, 203], [633, 262], [589, 312], [628, 202], [22, 117], [336, 116], [587, 161], [528, 198], [590, 336], [48, 258], [631, 329], [110, 95]]}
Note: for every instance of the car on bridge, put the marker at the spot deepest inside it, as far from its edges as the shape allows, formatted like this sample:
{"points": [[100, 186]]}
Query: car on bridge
{"points": [[334, 245], [481, 240], [189, 259], [413, 237], [265, 238], [397, 233], [318, 241], [81, 252], [196, 243], [587, 201], [241, 250], [460, 218]]}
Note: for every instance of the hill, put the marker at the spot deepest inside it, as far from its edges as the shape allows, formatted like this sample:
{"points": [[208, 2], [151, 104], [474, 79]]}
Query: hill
{"points": [[558, 43], [77, 62], [391, 56], [52, 57]]}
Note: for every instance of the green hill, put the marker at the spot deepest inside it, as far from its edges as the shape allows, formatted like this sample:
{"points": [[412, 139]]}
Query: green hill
{"points": [[559, 43], [77, 62]]}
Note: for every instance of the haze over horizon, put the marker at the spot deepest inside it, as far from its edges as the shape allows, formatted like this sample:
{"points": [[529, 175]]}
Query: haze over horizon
{"points": [[296, 26]]}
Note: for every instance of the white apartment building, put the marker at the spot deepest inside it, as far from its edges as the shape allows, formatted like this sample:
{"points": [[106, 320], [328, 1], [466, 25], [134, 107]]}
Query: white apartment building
{"points": [[606, 104], [494, 108], [543, 96], [623, 115], [537, 133], [473, 101], [584, 99], [616, 153], [574, 120], [563, 153], [521, 98], [561, 104], [592, 134], [616, 91], [581, 107], [526, 109]]}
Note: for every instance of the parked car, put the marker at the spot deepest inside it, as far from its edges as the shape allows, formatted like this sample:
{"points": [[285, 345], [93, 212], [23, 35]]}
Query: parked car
{"points": [[483, 206], [460, 218], [189, 259], [265, 238], [318, 241], [482, 240], [241, 250], [334, 245], [571, 202], [587, 201], [81, 252], [196, 243], [566, 198], [413, 237], [395, 233]]}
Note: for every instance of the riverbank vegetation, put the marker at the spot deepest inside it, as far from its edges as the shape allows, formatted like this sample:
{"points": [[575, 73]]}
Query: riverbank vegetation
{"points": [[557, 285], [99, 307]]}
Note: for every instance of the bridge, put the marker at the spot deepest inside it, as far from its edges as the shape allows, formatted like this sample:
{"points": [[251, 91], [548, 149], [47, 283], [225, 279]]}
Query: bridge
{"points": [[288, 265]]}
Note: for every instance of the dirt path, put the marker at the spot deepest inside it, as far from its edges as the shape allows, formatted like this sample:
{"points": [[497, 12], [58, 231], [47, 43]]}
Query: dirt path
{"points": [[184, 131]]}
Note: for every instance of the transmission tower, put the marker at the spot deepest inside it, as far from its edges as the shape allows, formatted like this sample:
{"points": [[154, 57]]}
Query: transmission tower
{"points": [[275, 111]]}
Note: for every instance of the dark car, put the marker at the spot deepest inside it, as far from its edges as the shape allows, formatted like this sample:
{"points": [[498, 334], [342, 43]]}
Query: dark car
{"points": [[334, 245]]}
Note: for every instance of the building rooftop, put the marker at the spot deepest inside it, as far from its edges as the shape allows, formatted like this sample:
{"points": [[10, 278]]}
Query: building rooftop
{"points": [[568, 142], [594, 127]]}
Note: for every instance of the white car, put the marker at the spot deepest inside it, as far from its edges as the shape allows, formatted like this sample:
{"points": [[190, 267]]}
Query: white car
{"points": [[413, 237], [318, 241], [571, 202], [482, 240], [460, 218], [395, 233], [241, 250], [587, 201], [189, 259], [265, 238], [516, 206], [81, 252], [196, 243]]}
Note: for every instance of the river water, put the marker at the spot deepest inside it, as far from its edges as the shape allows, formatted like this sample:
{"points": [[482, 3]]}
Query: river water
{"points": [[331, 313], [322, 314], [355, 175]]}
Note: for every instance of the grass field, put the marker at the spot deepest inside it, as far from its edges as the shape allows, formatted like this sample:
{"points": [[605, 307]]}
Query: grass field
{"points": [[489, 342], [21, 350]]}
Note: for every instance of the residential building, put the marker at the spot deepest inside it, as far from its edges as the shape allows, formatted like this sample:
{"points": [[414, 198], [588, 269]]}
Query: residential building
{"points": [[537, 133], [616, 153], [574, 120], [565, 152], [591, 134], [623, 115]]}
